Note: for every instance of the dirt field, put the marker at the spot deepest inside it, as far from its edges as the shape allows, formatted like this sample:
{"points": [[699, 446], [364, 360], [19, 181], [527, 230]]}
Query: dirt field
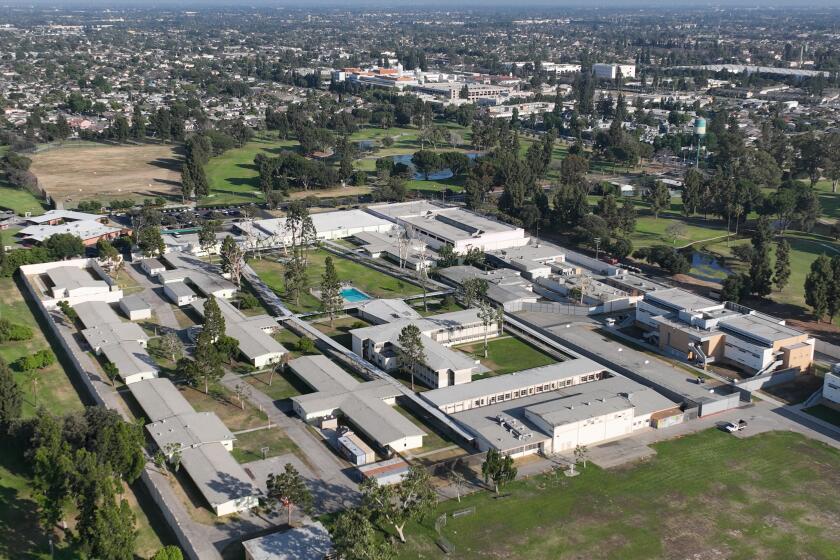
{"points": [[73, 173]]}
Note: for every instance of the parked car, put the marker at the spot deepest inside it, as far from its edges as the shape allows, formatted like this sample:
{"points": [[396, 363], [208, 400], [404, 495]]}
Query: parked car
{"points": [[732, 427]]}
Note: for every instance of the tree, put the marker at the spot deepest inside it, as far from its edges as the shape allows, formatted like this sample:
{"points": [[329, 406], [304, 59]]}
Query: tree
{"points": [[411, 350], [447, 256], [331, 300], [692, 189], [627, 217], [214, 321], [172, 347], [207, 235], [52, 467], [187, 183], [397, 504], [573, 170], [818, 286], [581, 454], [658, 197], [233, 259], [227, 347], [150, 241], [781, 274], [570, 206], [11, 397], [355, 538], [169, 552], [288, 489], [487, 316], [760, 271], [64, 246], [676, 230], [138, 123], [295, 277], [300, 226], [474, 289], [498, 468], [426, 162], [735, 288]]}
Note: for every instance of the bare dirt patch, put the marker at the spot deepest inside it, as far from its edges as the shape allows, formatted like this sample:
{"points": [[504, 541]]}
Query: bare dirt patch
{"points": [[73, 173]]}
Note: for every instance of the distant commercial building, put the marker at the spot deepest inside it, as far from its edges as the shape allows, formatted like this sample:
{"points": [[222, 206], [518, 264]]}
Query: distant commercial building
{"points": [[523, 110], [692, 327], [90, 228], [611, 71]]}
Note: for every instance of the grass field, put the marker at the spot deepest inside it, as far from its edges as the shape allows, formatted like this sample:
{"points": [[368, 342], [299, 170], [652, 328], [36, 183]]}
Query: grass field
{"points": [[706, 496], [433, 440], [372, 282], [248, 447], [50, 387], [225, 404], [506, 354], [73, 173], [233, 177], [284, 384], [19, 201]]}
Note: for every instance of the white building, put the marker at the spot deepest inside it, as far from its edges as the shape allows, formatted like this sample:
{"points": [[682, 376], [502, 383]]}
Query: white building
{"points": [[611, 71], [439, 225], [328, 225], [831, 385]]}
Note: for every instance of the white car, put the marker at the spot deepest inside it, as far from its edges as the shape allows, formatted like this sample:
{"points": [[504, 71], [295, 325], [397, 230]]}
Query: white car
{"points": [[732, 427]]}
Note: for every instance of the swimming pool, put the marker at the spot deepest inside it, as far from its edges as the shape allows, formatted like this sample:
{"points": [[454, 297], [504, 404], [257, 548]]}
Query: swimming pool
{"points": [[352, 295]]}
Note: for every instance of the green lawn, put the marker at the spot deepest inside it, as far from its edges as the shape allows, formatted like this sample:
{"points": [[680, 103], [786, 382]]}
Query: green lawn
{"points": [[825, 413], [233, 177], [829, 201], [368, 280], [507, 354], [283, 385], [771, 496], [248, 447], [50, 387], [226, 406], [433, 440], [19, 201]]}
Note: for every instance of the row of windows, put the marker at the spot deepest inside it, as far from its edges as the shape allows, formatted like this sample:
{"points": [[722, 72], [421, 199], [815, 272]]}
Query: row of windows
{"points": [[738, 349]]}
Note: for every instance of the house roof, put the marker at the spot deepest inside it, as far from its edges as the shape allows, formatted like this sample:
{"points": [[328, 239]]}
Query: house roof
{"points": [[219, 478], [159, 399], [310, 542]]}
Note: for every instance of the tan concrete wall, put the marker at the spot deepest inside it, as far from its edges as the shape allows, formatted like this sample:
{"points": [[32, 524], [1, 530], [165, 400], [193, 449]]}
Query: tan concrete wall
{"points": [[800, 357]]}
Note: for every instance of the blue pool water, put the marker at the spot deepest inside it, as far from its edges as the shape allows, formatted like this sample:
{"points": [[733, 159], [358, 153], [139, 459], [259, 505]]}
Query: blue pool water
{"points": [[353, 295]]}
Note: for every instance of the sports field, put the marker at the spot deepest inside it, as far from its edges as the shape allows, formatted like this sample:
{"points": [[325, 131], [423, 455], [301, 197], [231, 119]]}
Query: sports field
{"points": [[71, 173], [708, 496]]}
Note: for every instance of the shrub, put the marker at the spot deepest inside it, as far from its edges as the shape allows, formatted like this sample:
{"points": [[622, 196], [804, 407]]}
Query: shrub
{"points": [[38, 360], [13, 332], [306, 345], [248, 301]]}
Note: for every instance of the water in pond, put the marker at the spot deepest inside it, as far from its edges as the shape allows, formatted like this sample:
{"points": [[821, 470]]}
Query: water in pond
{"points": [[445, 173], [706, 267]]}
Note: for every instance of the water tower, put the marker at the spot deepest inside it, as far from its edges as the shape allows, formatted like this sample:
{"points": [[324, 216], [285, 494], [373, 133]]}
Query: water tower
{"points": [[700, 133]]}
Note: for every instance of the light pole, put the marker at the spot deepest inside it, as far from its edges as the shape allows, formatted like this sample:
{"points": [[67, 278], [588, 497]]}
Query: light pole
{"points": [[597, 246]]}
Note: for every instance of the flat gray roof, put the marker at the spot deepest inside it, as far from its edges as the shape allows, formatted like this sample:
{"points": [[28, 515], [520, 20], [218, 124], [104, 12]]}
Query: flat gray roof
{"points": [[512, 381], [159, 398], [129, 358], [94, 313], [72, 277], [134, 302], [179, 289], [389, 310], [107, 334], [254, 342], [361, 403], [310, 542], [758, 327], [483, 422], [681, 300], [219, 478], [189, 429]]}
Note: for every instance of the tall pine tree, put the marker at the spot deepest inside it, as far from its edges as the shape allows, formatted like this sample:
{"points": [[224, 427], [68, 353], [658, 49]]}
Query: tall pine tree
{"points": [[760, 272], [781, 272]]}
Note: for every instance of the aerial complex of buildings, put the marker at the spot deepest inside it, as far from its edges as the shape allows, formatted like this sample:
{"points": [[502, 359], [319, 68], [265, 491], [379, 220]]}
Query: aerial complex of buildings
{"points": [[527, 346]]}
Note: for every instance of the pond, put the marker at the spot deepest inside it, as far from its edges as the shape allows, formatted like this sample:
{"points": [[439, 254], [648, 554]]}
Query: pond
{"points": [[445, 173], [707, 267]]}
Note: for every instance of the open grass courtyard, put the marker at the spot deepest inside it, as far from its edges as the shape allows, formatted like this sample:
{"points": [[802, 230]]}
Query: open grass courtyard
{"points": [[372, 282], [710, 495], [506, 354]]}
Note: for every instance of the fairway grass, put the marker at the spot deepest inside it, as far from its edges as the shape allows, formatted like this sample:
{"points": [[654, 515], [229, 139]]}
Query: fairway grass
{"points": [[374, 283], [233, 177], [709, 495]]}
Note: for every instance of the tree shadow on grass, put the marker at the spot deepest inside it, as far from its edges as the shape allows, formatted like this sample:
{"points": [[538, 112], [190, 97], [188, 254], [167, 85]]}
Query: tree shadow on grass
{"points": [[21, 535]]}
